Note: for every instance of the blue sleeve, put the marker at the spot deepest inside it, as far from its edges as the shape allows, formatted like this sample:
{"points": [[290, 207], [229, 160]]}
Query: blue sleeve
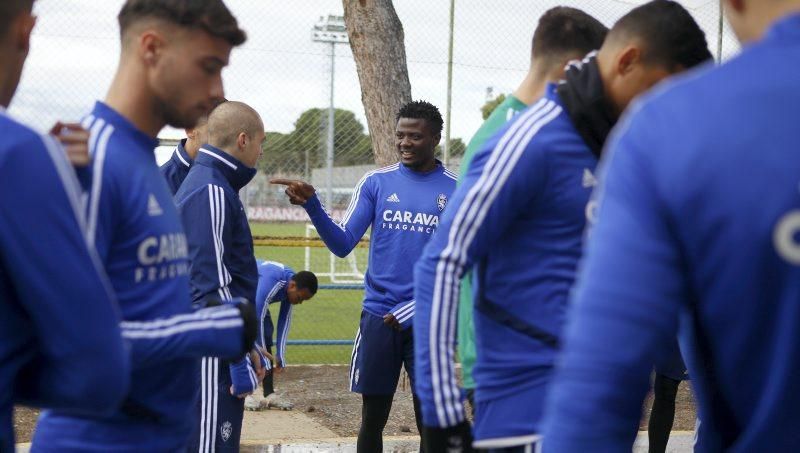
{"points": [[203, 214], [497, 184], [284, 324], [626, 304], [81, 361], [343, 236], [404, 313], [214, 332]]}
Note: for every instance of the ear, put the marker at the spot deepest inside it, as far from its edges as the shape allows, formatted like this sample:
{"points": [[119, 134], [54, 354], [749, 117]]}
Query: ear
{"points": [[736, 5], [292, 285], [22, 29], [436, 139], [191, 133], [241, 140], [627, 60], [151, 46]]}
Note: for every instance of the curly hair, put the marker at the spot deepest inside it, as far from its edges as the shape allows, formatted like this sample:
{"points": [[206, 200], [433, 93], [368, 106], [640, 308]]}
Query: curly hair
{"points": [[422, 110]]}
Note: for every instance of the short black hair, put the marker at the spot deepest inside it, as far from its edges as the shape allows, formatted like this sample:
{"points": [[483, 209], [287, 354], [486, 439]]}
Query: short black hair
{"points": [[670, 35], [9, 10], [422, 110], [306, 280], [212, 16], [562, 32]]}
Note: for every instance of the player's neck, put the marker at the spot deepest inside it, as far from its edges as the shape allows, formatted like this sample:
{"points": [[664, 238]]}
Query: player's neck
{"points": [[531, 88], [130, 97], [426, 167]]}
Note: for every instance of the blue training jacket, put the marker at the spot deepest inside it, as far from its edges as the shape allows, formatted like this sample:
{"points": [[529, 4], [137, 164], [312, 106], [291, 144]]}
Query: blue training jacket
{"points": [[698, 229], [132, 221], [403, 209], [60, 342], [177, 167], [519, 219], [273, 279]]}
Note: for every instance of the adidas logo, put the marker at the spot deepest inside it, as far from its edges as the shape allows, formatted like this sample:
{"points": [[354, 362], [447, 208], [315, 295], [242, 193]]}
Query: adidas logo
{"points": [[393, 198], [588, 178], [153, 208]]}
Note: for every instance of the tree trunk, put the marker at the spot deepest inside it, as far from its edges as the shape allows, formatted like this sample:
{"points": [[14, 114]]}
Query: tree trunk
{"points": [[376, 38]]}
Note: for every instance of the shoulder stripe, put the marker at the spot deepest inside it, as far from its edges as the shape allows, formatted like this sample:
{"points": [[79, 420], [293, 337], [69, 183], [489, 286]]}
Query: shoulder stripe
{"points": [[357, 192], [216, 200], [475, 208], [263, 315], [98, 152]]}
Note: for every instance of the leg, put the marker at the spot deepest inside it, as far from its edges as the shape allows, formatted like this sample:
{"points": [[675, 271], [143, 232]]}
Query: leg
{"points": [[268, 382], [374, 414], [229, 414], [663, 414]]}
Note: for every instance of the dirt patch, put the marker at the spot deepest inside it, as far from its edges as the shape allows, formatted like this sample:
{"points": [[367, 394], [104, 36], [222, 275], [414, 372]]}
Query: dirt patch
{"points": [[321, 393]]}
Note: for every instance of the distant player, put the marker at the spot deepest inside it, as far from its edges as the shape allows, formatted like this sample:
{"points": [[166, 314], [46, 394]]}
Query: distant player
{"points": [[519, 218], [169, 73], [222, 260], [698, 229], [278, 283], [669, 372], [402, 204], [179, 163], [60, 343], [562, 34]]}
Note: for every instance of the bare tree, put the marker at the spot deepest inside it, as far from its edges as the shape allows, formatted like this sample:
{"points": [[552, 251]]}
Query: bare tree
{"points": [[377, 40]]}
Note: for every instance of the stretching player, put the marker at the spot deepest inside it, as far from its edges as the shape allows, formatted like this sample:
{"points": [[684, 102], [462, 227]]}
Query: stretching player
{"points": [[222, 260], [278, 283], [60, 343], [697, 228], [402, 203], [178, 165], [169, 73], [562, 34], [519, 218]]}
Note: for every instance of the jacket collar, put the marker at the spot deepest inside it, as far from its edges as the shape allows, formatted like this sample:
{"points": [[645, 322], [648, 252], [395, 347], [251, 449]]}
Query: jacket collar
{"points": [[584, 98], [180, 156], [122, 124], [235, 172]]}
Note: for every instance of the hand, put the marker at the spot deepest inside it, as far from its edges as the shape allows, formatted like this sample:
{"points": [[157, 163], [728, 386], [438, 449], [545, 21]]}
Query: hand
{"points": [[391, 321], [454, 439], [242, 396], [298, 191], [278, 369], [260, 370], [75, 141]]}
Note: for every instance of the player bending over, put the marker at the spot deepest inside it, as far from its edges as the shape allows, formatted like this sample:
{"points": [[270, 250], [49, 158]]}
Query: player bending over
{"points": [[277, 283], [402, 204]]}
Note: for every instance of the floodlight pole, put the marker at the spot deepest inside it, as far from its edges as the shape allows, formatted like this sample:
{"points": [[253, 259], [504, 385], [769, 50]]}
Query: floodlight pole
{"points": [[329, 157]]}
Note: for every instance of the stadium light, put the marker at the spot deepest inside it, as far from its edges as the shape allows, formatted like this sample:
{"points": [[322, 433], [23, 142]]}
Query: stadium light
{"points": [[331, 30]]}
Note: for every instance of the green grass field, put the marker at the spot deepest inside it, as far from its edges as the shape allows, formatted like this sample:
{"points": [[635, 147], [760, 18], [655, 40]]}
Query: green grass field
{"points": [[330, 315]]}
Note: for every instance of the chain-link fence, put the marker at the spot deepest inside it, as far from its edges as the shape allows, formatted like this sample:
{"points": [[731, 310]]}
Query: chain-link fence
{"points": [[294, 79]]}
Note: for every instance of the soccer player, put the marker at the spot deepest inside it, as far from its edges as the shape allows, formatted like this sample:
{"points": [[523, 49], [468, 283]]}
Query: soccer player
{"points": [[519, 218], [402, 203], [697, 228], [562, 34], [278, 283], [178, 165], [60, 340], [169, 73], [669, 373], [222, 259]]}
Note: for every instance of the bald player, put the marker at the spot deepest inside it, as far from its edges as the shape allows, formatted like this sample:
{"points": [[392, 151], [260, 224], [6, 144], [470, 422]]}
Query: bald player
{"points": [[222, 260]]}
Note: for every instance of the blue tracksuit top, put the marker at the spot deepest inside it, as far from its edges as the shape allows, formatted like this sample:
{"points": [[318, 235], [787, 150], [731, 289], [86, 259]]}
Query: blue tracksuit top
{"points": [[132, 221], [220, 243], [273, 279], [519, 218], [56, 305], [403, 208], [177, 167], [697, 229]]}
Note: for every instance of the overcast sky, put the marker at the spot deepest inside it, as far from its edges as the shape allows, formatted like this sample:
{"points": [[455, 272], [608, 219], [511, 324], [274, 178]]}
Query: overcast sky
{"points": [[281, 72]]}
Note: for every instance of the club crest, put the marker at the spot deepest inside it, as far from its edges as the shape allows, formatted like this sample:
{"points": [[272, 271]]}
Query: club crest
{"points": [[441, 201], [226, 430]]}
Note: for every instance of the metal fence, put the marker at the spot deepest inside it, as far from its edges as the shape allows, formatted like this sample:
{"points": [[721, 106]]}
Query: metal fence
{"points": [[293, 78]]}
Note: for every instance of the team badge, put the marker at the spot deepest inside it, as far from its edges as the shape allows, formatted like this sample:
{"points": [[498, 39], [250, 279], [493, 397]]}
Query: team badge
{"points": [[441, 202], [226, 430]]}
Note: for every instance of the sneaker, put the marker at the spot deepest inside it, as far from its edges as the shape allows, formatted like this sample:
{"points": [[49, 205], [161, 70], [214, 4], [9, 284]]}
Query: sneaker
{"points": [[255, 402], [278, 402]]}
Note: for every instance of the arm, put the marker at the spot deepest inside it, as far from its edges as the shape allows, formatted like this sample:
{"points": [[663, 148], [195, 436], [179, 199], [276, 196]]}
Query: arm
{"points": [[61, 285], [284, 324], [403, 314], [499, 181], [340, 237], [626, 304], [268, 287]]}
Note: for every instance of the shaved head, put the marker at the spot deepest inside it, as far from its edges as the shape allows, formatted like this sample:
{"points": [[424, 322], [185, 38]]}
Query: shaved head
{"points": [[230, 119]]}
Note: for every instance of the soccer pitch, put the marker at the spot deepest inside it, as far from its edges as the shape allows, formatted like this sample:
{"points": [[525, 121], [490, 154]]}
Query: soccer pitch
{"points": [[330, 315]]}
